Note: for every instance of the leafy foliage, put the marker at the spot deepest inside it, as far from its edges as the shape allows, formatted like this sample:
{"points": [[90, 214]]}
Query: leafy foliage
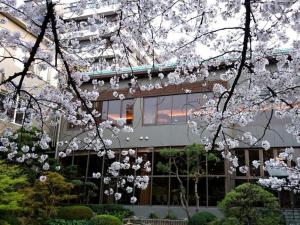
{"points": [[250, 203], [196, 157], [75, 212], [66, 222], [171, 215], [226, 221], [116, 210], [105, 220], [86, 190], [195, 154], [153, 215], [201, 218], [11, 182], [44, 196]]}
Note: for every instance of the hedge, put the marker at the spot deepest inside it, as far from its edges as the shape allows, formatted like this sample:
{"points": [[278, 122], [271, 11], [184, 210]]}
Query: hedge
{"points": [[105, 220], [74, 213]]}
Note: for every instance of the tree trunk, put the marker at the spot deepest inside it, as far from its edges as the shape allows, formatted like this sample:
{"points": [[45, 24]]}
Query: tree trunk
{"points": [[197, 195], [183, 200]]}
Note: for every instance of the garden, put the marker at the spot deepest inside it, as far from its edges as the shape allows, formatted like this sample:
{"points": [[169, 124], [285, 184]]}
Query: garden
{"points": [[26, 200]]}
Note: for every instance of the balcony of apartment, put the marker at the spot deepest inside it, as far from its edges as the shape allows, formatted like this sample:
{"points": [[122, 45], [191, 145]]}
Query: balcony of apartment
{"points": [[90, 31], [105, 9]]}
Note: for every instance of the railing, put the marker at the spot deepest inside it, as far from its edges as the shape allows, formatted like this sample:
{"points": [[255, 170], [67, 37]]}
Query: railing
{"points": [[292, 216], [154, 222]]}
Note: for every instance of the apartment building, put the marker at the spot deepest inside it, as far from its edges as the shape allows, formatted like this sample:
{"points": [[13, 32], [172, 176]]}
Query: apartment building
{"points": [[159, 117], [96, 40], [11, 66]]}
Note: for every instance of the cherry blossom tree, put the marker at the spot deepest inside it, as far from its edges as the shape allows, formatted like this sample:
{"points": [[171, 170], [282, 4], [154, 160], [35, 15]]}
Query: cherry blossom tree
{"points": [[233, 41]]}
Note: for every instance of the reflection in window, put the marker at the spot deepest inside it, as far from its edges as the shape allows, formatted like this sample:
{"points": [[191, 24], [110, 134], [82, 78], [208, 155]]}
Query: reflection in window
{"points": [[150, 105], [127, 110], [216, 190], [240, 154], [254, 155], [160, 191], [216, 167], [164, 105], [179, 109], [172, 109], [267, 155], [159, 159], [116, 109], [175, 190], [104, 110]]}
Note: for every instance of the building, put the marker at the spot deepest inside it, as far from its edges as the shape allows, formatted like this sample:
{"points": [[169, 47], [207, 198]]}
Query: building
{"points": [[10, 65], [96, 42], [159, 118]]}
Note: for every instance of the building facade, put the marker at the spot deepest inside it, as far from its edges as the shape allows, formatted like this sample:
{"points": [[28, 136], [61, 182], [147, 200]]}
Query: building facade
{"points": [[159, 118], [96, 39], [9, 66]]}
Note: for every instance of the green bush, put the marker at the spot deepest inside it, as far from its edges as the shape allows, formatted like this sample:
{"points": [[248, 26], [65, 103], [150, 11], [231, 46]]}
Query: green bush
{"points": [[74, 212], [170, 215], [111, 209], [201, 218], [66, 222], [226, 221], [259, 207], [153, 216], [270, 217], [105, 220]]}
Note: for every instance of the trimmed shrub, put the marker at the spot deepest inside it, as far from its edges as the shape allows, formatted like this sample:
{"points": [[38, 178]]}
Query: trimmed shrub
{"points": [[116, 210], [201, 218], [66, 222], [74, 212], [105, 220]]}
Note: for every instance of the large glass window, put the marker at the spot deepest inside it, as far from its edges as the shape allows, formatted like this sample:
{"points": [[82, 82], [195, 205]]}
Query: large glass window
{"points": [[254, 155], [116, 109], [201, 190], [240, 154], [127, 110], [179, 109], [172, 109], [216, 190], [175, 190], [164, 105], [160, 192], [193, 101], [150, 105]]}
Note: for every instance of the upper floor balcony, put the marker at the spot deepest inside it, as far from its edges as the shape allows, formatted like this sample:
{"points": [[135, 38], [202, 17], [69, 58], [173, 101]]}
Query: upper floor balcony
{"points": [[104, 8]]}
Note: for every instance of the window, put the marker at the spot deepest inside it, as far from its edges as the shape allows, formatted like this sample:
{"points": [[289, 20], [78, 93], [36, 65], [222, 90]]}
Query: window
{"points": [[179, 109], [172, 109], [127, 110], [14, 115], [116, 109], [150, 105], [164, 105]]}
